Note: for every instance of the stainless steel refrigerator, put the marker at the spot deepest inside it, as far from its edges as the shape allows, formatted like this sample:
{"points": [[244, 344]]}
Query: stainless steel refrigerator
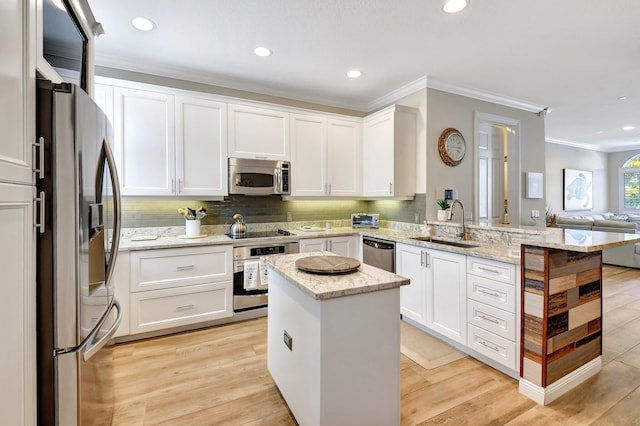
{"points": [[77, 245]]}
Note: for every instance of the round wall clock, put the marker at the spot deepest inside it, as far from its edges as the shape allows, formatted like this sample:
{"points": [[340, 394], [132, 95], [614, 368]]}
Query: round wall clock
{"points": [[451, 146]]}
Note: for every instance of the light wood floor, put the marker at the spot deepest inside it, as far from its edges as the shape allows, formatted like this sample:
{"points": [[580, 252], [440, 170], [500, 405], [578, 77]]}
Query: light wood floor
{"points": [[219, 376]]}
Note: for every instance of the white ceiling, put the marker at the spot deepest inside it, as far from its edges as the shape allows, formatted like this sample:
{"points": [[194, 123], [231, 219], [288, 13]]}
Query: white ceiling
{"points": [[574, 56]]}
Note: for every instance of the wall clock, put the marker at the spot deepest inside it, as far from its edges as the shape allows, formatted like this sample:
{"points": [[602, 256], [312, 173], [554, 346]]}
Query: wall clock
{"points": [[451, 146]]}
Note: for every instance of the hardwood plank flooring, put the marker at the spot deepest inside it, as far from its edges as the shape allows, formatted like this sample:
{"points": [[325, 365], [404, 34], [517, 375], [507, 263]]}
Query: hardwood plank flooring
{"points": [[219, 376]]}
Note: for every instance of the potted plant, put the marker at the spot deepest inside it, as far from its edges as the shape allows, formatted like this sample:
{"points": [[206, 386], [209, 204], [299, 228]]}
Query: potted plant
{"points": [[444, 209]]}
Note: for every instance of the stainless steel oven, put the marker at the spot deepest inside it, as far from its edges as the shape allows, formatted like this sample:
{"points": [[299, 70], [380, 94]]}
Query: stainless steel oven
{"points": [[250, 280]]}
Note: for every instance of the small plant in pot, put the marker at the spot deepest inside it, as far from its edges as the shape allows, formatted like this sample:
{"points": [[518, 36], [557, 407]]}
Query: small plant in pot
{"points": [[444, 209]]}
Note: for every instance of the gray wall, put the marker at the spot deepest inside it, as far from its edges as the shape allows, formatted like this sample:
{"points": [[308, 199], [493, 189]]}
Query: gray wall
{"points": [[568, 157], [449, 110]]}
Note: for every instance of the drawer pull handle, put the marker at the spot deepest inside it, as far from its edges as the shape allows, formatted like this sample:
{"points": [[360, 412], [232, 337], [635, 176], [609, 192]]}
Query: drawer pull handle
{"points": [[486, 318], [488, 293], [184, 307], [485, 269], [488, 346], [184, 268]]}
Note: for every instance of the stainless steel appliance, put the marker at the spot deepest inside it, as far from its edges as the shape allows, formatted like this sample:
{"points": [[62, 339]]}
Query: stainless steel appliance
{"points": [[365, 220], [379, 253], [258, 177], [77, 244], [244, 298]]}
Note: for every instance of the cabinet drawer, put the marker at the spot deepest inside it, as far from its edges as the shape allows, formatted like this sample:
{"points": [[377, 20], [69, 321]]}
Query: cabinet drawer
{"points": [[491, 292], [492, 269], [160, 309], [494, 347], [492, 319], [165, 268]]}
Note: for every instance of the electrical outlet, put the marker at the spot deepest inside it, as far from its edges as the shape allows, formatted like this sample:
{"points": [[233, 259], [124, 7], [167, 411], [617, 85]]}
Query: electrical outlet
{"points": [[288, 340], [535, 213], [289, 217]]}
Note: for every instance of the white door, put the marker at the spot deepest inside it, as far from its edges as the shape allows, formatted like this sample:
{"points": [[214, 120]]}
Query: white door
{"points": [[17, 263], [344, 157], [378, 157], [17, 85], [343, 246], [258, 133], [201, 147], [447, 294], [145, 141], [492, 195], [308, 155], [410, 264], [312, 244]]}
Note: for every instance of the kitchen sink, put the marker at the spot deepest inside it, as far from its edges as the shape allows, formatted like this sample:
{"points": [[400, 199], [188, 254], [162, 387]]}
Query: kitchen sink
{"points": [[462, 244]]}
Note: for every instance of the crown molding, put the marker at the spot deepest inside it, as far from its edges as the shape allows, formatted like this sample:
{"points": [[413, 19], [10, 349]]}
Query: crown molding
{"points": [[391, 97], [444, 86], [575, 144]]}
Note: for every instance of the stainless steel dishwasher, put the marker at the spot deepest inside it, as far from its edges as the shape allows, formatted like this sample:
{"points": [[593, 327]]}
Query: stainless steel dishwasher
{"points": [[379, 253]]}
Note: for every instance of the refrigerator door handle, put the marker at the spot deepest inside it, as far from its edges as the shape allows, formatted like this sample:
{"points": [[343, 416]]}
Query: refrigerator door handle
{"points": [[92, 346], [115, 184]]}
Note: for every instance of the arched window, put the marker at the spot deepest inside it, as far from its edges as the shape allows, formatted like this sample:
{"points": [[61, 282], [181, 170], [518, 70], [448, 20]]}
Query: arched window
{"points": [[630, 185]]}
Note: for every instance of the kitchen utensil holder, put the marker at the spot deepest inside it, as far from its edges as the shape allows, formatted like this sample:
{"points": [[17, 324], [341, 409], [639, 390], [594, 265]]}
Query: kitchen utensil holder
{"points": [[192, 228]]}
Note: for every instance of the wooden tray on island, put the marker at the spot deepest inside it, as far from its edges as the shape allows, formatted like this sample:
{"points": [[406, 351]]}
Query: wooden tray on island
{"points": [[328, 264]]}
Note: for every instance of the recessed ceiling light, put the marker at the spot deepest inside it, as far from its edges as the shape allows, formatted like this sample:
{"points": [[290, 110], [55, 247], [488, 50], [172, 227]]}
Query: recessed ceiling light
{"points": [[599, 132], [628, 127], [354, 73], [622, 98], [262, 51], [143, 24], [454, 6], [59, 5]]}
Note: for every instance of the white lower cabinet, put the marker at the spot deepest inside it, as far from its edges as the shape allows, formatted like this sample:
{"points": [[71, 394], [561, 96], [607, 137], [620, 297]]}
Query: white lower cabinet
{"points": [[182, 286], [410, 264], [446, 294], [348, 246], [492, 310], [436, 296]]}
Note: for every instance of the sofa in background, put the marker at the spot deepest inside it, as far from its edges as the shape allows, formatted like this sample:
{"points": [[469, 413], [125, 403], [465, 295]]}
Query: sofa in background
{"points": [[629, 255]]}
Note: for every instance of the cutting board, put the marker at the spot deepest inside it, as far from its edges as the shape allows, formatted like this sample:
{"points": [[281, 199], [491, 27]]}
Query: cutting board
{"points": [[328, 264]]}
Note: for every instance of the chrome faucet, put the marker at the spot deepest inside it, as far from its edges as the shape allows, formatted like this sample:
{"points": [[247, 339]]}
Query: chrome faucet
{"points": [[463, 234]]}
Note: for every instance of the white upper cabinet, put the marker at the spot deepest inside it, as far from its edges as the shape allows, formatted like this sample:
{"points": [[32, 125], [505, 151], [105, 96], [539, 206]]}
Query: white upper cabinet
{"points": [[168, 144], [145, 141], [201, 147], [308, 155], [17, 85], [325, 156], [344, 142], [389, 153], [258, 133]]}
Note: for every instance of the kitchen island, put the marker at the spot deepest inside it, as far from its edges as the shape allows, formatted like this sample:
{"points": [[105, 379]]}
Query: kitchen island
{"points": [[333, 346]]}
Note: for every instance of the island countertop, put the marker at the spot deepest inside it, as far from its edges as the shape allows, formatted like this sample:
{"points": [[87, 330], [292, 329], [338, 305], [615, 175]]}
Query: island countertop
{"points": [[328, 286]]}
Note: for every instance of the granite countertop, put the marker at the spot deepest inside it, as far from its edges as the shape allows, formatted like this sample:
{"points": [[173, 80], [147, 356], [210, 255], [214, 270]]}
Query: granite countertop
{"points": [[578, 239], [503, 250], [328, 286]]}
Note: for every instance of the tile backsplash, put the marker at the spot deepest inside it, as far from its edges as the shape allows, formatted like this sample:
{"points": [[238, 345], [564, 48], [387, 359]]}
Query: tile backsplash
{"points": [[140, 213]]}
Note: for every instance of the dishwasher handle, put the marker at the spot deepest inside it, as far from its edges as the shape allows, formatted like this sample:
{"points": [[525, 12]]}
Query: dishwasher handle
{"points": [[380, 245]]}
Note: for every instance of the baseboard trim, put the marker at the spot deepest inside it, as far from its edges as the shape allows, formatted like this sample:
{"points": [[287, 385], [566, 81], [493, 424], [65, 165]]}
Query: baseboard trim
{"points": [[544, 396]]}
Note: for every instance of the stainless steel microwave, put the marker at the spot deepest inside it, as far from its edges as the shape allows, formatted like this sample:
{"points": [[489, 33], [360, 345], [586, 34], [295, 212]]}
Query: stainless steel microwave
{"points": [[258, 177]]}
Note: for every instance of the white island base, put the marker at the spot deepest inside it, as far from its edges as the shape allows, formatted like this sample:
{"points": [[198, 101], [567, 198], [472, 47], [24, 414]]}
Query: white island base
{"points": [[343, 367]]}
